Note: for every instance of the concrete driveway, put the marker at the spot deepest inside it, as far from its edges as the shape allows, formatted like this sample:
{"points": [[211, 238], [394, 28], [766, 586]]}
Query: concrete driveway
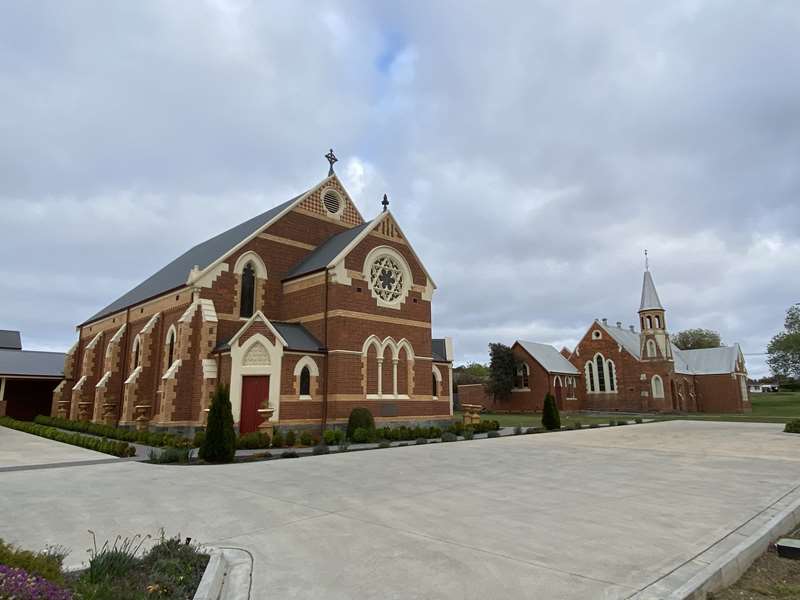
{"points": [[597, 514]]}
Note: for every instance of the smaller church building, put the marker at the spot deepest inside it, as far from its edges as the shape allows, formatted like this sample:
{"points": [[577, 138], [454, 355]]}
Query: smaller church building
{"points": [[616, 368]]}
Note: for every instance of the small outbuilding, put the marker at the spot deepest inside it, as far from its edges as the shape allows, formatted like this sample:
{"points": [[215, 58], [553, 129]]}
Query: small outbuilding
{"points": [[27, 378]]}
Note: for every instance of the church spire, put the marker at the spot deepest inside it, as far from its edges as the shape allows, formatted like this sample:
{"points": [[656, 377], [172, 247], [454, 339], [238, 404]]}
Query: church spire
{"points": [[650, 299]]}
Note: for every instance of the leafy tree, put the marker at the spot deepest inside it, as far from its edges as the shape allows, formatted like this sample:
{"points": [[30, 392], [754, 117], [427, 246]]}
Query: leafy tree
{"points": [[551, 419], [693, 339], [502, 369], [783, 351], [360, 418], [220, 442], [470, 374]]}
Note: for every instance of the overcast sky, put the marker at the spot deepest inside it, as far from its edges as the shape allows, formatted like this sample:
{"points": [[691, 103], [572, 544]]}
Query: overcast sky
{"points": [[530, 151]]}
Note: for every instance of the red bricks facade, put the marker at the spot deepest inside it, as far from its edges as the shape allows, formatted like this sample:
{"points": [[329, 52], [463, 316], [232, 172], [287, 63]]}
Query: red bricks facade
{"points": [[168, 353]]}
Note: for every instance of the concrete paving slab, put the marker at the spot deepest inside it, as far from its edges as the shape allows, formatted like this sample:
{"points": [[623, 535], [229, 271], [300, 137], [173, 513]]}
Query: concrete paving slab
{"points": [[599, 513], [20, 449]]}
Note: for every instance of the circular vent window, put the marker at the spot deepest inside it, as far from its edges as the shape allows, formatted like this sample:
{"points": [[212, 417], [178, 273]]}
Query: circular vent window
{"points": [[332, 201]]}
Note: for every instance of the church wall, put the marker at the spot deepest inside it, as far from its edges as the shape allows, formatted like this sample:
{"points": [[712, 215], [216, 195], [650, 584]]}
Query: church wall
{"points": [[719, 393]]}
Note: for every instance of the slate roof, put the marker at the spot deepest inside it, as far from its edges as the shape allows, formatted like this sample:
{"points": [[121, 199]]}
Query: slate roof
{"points": [[550, 358], [28, 363], [439, 350], [326, 252], [296, 335], [10, 340], [649, 294], [175, 274]]}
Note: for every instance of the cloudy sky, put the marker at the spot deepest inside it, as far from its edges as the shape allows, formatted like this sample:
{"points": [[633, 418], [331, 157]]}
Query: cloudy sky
{"points": [[530, 150]]}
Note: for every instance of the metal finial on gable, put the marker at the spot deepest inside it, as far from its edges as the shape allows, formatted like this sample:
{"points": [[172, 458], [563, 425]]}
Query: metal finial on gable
{"points": [[646, 261], [385, 203], [331, 159]]}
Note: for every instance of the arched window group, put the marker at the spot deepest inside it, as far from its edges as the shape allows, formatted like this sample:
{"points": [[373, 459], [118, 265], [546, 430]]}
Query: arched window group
{"points": [[522, 378], [388, 368], [601, 375]]}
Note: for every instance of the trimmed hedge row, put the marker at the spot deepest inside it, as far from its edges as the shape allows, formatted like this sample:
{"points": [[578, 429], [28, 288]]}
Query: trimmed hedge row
{"points": [[792, 426], [116, 448], [148, 438]]}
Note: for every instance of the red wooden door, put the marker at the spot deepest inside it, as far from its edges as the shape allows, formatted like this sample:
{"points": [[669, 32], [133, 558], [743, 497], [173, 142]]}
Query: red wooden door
{"points": [[255, 390]]}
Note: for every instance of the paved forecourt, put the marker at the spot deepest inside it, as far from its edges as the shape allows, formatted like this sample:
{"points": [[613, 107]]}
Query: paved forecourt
{"points": [[599, 513], [19, 450]]}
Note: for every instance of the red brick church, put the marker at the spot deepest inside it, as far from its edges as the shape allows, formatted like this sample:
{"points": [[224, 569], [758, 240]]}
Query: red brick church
{"points": [[616, 368], [306, 310]]}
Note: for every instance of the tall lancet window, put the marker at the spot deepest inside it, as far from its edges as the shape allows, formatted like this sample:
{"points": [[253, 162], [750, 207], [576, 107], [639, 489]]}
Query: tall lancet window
{"points": [[171, 348], [305, 382], [601, 379], [247, 301]]}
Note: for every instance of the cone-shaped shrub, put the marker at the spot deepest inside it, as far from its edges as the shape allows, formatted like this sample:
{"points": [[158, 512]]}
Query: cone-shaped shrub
{"points": [[220, 442], [360, 418], [550, 417]]}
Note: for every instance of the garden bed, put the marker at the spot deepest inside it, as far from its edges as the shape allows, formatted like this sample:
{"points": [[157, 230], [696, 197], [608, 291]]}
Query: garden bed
{"points": [[113, 447], [171, 570]]}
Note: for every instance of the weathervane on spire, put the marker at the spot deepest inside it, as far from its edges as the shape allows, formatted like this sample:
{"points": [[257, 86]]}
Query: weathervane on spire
{"points": [[646, 261], [331, 159], [385, 203]]}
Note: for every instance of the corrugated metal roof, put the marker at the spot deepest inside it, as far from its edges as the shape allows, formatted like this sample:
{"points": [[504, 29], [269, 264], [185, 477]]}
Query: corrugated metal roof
{"points": [[550, 358], [624, 337], [439, 349], [649, 294], [10, 340], [325, 252], [27, 363], [711, 361], [175, 274]]}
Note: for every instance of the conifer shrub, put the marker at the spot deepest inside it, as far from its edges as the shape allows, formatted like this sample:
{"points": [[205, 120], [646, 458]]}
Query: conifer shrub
{"points": [[359, 418], [551, 419], [291, 438], [220, 443]]}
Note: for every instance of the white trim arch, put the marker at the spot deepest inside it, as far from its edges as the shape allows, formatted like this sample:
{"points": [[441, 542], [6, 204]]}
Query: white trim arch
{"points": [[269, 364], [309, 362], [437, 375], [592, 374], [657, 386], [258, 264]]}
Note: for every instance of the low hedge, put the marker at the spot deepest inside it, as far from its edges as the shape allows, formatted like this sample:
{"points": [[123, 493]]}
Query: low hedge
{"points": [[148, 438], [114, 447], [792, 426]]}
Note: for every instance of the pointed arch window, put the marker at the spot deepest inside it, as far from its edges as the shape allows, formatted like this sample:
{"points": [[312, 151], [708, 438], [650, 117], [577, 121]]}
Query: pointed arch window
{"points": [[305, 382], [248, 297], [170, 347], [522, 380], [657, 321], [658, 387], [435, 384], [612, 376], [601, 379], [589, 376], [649, 322], [136, 353], [651, 349]]}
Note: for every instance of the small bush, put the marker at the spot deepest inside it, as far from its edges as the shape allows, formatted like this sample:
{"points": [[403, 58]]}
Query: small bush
{"points": [[321, 448], [329, 437], [421, 441], [306, 439], [385, 444], [360, 418], [220, 442], [551, 419], [46, 564], [255, 440], [449, 437], [530, 430], [169, 455], [361, 435], [199, 438], [493, 434], [468, 433], [278, 440], [291, 438], [638, 420], [289, 454], [792, 426]]}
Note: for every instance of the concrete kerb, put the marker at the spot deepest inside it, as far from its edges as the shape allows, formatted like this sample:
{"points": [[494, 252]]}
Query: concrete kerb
{"points": [[228, 575], [723, 563]]}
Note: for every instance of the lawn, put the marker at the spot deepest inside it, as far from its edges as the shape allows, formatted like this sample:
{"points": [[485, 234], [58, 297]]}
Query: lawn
{"points": [[775, 407]]}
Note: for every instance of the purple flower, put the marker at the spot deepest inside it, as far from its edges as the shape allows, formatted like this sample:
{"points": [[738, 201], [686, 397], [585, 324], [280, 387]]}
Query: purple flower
{"points": [[21, 585]]}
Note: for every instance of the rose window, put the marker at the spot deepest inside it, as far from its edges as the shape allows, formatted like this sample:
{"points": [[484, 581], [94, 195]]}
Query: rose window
{"points": [[386, 279]]}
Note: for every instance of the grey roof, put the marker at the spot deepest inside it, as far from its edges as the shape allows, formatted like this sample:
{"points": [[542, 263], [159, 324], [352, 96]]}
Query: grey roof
{"points": [[649, 294], [551, 359], [626, 338], [296, 335], [710, 361], [175, 274], [439, 350], [10, 340], [27, 363], [326, 252]]}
